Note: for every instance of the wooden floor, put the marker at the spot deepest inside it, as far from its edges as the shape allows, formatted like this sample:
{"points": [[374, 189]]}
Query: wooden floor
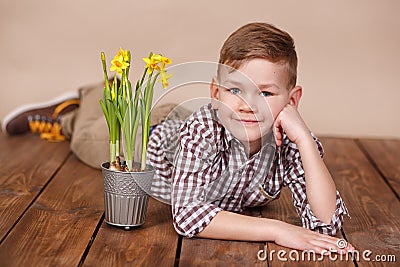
{"points": [[51, 213]]}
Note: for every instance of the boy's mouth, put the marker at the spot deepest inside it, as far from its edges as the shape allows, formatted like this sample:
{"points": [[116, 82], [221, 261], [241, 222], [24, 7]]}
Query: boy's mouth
{"points": [[248, 121]]}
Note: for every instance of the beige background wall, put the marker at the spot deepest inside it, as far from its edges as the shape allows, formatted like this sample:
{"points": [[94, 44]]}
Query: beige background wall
{"points": [[348, 50]]}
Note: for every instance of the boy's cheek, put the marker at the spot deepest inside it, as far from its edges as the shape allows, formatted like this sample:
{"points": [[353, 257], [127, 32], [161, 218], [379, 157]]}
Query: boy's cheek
{"points": [[275, 113], [276, 108]]}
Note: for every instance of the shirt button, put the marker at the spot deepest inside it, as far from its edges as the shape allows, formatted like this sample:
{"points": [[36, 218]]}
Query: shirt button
{"points": [[231, 198]]}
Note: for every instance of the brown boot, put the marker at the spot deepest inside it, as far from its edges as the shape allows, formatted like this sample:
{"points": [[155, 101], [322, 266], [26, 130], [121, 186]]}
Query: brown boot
{"points": [[40, 117]]}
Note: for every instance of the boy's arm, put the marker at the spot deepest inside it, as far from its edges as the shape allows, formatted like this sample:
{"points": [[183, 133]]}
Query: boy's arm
{"points": [[232, 226], [321, 190]]}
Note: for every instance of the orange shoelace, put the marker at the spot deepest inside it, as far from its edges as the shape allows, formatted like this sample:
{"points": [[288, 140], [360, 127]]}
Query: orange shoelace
{"points": [[49, 128]]}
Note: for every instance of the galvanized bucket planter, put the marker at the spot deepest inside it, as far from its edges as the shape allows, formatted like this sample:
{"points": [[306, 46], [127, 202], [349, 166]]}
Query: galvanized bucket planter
{"points": [[125, 197]]}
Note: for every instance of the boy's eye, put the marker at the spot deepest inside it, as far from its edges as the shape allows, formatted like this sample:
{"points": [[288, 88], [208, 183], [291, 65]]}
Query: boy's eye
{"points": [[234, 91], [265, 93]]}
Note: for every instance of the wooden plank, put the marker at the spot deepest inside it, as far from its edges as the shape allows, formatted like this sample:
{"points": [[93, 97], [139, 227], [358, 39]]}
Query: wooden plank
{"points": [[209, 252], [57, 228], [28, 163], [374, 208], [152, 244], [283, 210], [386, 156]]}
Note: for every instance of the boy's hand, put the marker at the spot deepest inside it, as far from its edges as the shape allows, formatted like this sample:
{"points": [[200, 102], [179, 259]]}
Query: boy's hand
{"points": [[300, 238], [290, 121]]}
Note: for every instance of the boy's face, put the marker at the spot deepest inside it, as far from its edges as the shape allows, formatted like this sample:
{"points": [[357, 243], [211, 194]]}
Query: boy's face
{"points": [[250, 98]]}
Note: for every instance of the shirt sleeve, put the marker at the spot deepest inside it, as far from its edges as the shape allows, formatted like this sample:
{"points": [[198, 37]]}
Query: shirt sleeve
{"points": [[193, 166], [294, 178]]}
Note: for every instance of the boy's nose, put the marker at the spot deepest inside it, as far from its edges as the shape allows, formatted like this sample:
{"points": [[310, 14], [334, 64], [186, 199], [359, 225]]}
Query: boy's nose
{"points": [[245, 105]]}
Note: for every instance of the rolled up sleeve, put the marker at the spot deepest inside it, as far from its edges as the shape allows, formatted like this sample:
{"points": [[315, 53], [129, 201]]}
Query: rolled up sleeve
{"points": [[189, 221], [295, 180]]}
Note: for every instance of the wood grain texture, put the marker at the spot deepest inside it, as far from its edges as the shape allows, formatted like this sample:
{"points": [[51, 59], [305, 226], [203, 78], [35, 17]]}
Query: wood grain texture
{"points": [[374, 208], [386, 155], [58, 226], [28, 163], [51, 208], [283, 210], [209, 252], [152, 244]]}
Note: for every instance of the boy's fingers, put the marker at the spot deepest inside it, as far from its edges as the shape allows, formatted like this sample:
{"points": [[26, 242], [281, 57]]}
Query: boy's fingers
{"points": [[334, 242], [278, 136], [277, 131]]}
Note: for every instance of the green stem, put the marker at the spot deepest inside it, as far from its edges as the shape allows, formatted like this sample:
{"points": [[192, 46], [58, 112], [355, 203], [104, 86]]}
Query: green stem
{"points": [[144, 151], [129, 164], [103, 61], [112, 152], [148, 100], [117, 147], [128, 136]]}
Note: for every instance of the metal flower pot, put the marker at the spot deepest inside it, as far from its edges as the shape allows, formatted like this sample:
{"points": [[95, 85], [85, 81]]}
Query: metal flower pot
{"points": [[125, 197]]}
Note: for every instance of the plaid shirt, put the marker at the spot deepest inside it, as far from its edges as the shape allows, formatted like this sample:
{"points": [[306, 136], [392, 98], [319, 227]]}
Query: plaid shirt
{"points": [[202, 169]]}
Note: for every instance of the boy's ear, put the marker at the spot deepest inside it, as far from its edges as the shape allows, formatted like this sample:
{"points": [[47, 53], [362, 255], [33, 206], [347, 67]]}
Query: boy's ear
{"points": [[214, 93], [295, 95]]}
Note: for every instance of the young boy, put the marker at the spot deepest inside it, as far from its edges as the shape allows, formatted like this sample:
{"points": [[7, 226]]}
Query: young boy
{"points": [[221, 163]]}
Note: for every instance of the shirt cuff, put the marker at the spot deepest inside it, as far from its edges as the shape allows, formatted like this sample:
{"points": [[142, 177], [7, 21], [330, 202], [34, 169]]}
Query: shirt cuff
{"points": [[189, 221], [311, 222]]}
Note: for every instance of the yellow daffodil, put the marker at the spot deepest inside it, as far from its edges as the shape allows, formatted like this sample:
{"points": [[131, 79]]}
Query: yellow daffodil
{"points": [[119, 64], [156, 57], [165, 61], [164, 78], [152, 62], [124, 54]]}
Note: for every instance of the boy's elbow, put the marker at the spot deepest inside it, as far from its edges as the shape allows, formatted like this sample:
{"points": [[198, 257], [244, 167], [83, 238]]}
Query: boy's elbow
{"points": [[179, 229], [182, 224], [190, 221]]}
